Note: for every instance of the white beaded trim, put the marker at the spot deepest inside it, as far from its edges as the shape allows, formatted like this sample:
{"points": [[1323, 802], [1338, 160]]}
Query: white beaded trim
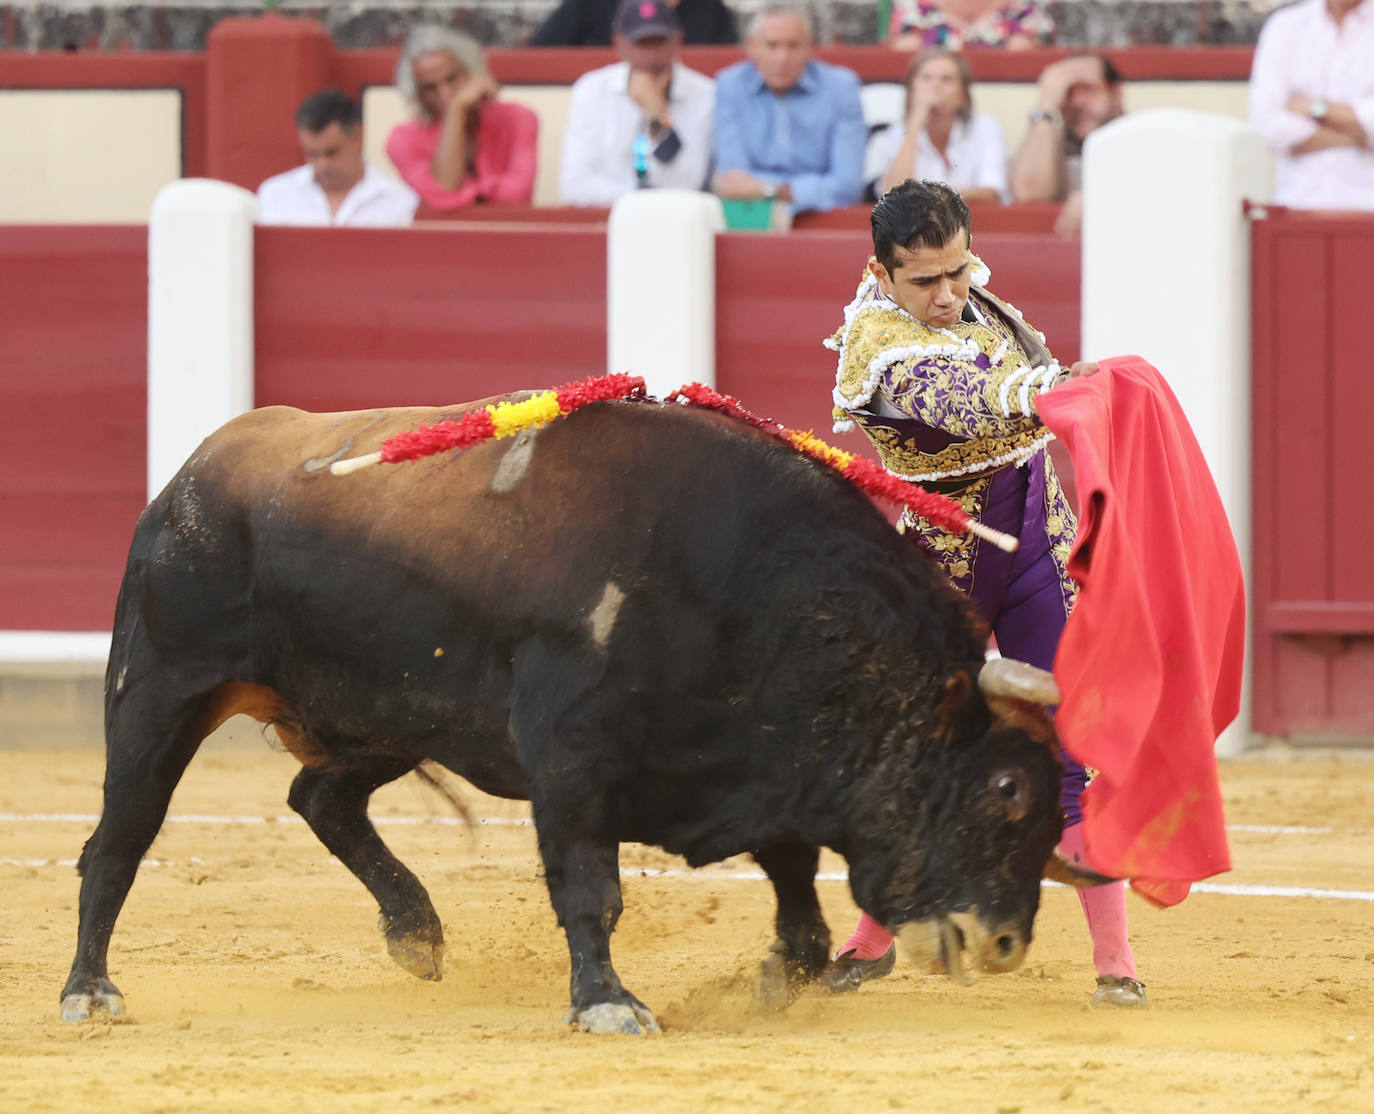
{"points": [[1046, 374]]}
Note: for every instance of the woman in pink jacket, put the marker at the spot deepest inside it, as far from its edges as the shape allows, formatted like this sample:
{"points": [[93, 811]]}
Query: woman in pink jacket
{"points": [[464, 146]]}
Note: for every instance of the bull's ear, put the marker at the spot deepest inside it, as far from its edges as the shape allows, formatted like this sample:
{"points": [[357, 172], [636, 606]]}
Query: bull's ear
{"points": [[954, 703]]}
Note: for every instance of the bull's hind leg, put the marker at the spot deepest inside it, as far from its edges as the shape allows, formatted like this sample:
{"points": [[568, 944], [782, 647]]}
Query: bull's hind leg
{"points": [[333, 801], [150, 738], [802, 947]]}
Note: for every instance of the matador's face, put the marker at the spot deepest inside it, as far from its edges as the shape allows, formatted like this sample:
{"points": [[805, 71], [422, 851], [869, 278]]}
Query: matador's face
{"points": [[931, 284]]}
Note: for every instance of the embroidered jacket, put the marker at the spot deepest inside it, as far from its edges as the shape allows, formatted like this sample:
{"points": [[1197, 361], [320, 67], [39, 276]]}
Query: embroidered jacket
{"points": [[948, 408]]}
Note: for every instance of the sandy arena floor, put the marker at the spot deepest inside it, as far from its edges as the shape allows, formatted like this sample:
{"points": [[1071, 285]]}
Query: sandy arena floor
{"points": [[256, 980]]}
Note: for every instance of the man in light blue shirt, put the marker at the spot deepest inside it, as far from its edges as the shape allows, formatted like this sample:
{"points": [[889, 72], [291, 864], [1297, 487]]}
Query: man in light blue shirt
{"points": [[787, 126]]}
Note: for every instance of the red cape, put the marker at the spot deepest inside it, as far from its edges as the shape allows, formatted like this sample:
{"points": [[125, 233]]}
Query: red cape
{"points": [[1149, 666]]}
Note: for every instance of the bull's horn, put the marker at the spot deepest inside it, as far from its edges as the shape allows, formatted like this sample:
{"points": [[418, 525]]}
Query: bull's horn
{"points": [[1007, 677], [1059, 869]]}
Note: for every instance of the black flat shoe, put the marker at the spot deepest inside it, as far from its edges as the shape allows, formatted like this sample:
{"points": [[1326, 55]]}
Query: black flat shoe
{"points": [[846, 973]]}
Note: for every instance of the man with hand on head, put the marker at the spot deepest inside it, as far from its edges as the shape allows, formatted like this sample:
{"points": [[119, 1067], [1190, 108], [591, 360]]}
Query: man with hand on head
{"points": [[336, 186], [1074, 98], [787, 126], [642, 122], [463, 146]]}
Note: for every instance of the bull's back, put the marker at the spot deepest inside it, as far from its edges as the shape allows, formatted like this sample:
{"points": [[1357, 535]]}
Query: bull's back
{"points": [[393, 602]]}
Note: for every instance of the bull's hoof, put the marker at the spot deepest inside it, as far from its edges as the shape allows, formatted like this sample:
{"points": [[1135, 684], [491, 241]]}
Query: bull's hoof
{"points": [[614, 1017], [103, 995], [417, 952]]}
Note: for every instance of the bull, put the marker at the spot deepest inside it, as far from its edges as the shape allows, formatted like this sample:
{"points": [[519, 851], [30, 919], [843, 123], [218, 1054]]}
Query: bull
{"points": [[654, 623]]}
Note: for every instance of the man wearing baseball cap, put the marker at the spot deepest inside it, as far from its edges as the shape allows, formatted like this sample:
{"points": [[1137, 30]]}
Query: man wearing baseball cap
{"points": [[642, 122], [591, 23]]}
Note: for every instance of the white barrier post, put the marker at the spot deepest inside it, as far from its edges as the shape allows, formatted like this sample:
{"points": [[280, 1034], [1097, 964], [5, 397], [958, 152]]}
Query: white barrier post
{"points": [[661, 287], [1166, 276], [200, 318]]}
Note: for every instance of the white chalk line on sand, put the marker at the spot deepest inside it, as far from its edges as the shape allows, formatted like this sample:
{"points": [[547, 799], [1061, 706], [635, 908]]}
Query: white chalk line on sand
{"points": [[1225, 888]]}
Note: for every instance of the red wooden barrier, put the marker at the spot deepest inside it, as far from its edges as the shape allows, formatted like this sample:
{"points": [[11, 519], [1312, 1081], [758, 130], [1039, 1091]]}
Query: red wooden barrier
{"points": [[257, 72], [1031, 216], [74, 399], [351, 318], [1312, 589], [357, 318], [354, 318]]}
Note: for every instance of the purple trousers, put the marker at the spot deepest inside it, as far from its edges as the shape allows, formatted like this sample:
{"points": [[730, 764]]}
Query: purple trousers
{"points": [[1019, 594]]}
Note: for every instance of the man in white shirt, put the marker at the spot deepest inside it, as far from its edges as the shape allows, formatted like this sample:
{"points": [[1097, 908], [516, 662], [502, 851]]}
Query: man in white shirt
{"points": [[336, 186], [641, 122], [1312, 96]]}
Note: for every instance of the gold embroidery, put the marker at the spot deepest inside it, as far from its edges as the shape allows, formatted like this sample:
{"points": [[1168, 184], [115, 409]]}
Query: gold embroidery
{"points": [[983, 455], [955, 553], [1061, 527], [882, 345]]}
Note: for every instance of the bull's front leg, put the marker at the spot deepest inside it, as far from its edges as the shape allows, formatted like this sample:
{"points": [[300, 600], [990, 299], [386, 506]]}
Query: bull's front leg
{"points": [[333, 801], [584, 884], [802, 947]]}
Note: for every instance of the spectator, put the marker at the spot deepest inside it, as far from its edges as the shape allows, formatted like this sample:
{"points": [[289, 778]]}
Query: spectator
{"points": [[642, 121], [788, 126], [943, 140], [336, 186], [1075, 97], [1312, 96], [956, 24], [463, 146], [588, 23]]}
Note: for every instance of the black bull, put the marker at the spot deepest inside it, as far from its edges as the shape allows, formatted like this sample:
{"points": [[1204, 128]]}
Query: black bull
{"points": [[652, 622]]}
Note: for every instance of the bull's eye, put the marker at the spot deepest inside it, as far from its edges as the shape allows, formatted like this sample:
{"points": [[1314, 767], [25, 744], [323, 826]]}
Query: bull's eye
{"points": [[1011, 790]]}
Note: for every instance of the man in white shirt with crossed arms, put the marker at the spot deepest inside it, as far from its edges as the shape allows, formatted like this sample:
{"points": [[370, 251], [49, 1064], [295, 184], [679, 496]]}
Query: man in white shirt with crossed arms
{"points": [[336, 186], [1312, 96]]}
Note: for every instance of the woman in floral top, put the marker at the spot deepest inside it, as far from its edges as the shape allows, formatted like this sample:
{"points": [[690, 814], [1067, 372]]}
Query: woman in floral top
{"points": [[956, 24]]}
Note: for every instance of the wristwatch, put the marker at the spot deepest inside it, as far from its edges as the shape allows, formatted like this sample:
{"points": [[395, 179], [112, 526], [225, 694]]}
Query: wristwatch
{"points": [[1038, 114], [770, 191], [1318, 110]]}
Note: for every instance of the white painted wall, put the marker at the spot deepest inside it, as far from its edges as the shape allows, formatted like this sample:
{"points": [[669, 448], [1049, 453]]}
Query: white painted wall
{"points": [[661, 287], [200, 318], [1166, 276], [86, 156]]}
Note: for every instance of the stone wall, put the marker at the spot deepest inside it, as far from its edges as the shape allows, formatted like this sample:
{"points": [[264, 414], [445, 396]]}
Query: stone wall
{"points": [[79, 25]]}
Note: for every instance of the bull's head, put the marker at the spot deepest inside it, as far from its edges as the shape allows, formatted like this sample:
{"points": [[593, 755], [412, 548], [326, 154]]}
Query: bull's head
{"points": [[960, 878]]}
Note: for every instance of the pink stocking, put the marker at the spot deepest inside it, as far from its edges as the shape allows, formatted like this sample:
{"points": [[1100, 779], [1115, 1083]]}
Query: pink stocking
{"points": [[869, 941], [1105, 910]]}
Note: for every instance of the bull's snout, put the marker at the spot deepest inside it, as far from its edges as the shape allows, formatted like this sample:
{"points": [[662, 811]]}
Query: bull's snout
{"points": [[1005, 952], [995, 950], [959, 944]]}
